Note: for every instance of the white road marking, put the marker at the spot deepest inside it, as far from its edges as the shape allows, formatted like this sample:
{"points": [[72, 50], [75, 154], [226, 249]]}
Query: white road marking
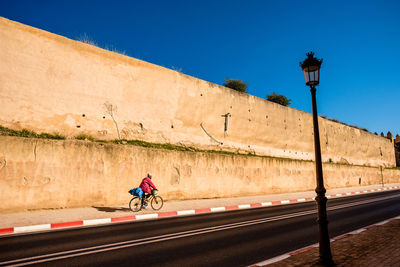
{"points": [[273, 260], [32, 228], [217, 209], [96, 221], [186, 212], [266, 204], [382, 223], [147, 216], [357, 231]]}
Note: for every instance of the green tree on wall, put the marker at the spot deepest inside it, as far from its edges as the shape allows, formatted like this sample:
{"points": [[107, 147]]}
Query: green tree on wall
{"points": [[236, 84], [280, 99]]}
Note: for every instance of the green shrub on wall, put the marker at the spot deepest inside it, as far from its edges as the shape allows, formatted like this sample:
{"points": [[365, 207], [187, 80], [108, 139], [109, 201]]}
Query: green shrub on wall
{"points": [[28, 133], [236, 84]]}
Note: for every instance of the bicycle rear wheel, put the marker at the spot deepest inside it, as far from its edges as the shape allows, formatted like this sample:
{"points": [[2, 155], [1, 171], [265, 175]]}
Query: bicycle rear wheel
{"points": [[157, 202], [135, 204]]}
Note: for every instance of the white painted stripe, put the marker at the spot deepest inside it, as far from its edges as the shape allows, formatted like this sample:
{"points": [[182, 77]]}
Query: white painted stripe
{"points": [[357, 231], [379, 189], [38, 227], [365, 191], [358, 192], [272, 260], [301, 199], [329, 196], [373, 190], [96, 221], [285, 201], [244, 206], [217, 209], [266, 204], [348, 193], [313, 198], [382, 223], [186, 212], [146, 216]]}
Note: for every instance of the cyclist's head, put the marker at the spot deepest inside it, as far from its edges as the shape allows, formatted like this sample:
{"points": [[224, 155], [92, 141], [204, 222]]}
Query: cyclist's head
{"points": [[149, 175]]}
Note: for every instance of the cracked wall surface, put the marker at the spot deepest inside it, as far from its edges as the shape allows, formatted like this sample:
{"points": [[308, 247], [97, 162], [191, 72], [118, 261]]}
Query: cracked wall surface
{"points": [[49, 83], [72, 173]]}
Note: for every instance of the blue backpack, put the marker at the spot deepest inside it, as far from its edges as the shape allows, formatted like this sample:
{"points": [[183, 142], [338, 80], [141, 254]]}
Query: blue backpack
{"points": [[138, 192]]}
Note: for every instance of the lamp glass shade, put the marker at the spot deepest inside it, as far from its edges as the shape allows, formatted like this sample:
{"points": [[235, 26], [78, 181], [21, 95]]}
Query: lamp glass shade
{"points": [[311, 75]]}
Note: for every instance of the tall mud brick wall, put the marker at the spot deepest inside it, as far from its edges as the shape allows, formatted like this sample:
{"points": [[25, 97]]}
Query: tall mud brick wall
{"points": [[49, 83], [38, 173]]}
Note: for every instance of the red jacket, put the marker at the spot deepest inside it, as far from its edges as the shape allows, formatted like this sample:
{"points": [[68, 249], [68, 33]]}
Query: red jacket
{"points": [[146, 185]]}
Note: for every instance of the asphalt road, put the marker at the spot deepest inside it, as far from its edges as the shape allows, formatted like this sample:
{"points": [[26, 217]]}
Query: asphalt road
{"points": [[235, 238]]}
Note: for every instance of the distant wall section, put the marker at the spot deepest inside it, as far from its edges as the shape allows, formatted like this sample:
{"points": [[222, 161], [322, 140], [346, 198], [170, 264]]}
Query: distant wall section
{"points": [[53, 84]]}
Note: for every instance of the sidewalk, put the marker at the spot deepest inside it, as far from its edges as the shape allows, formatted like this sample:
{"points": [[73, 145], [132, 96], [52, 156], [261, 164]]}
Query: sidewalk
{"points": [[170, 208], [376, 246]]}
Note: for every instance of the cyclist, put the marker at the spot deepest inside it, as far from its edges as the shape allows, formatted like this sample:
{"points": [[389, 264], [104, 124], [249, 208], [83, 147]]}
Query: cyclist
{"points": [[146, 185]]}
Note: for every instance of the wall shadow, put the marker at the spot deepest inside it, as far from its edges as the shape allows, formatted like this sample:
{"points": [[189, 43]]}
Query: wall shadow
{"points": [[112, 209]]}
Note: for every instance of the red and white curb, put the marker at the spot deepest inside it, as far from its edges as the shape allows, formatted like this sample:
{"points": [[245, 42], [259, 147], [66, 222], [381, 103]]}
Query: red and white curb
{"points": [[287, 255], [45, 227]]}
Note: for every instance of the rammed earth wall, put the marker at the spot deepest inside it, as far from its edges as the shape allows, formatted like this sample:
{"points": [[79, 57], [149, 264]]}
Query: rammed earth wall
{"points": [[38, 173], [50, 83]]}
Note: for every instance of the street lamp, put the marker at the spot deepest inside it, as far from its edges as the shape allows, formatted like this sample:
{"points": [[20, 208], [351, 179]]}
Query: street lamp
{"points": [[311, 67]]}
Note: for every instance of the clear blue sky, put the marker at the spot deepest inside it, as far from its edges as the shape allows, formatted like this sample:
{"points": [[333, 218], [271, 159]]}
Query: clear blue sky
{"points": [[260, 42]]}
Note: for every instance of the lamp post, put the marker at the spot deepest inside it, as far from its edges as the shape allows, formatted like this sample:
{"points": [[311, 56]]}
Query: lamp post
{"points": [[311, 67]]}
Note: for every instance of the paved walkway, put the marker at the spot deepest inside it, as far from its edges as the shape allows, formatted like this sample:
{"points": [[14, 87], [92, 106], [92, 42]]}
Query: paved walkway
{"points": [[376, 246]]}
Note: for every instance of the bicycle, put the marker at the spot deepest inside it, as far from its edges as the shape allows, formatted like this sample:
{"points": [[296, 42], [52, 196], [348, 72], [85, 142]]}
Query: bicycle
{"points": [[156, 202]]}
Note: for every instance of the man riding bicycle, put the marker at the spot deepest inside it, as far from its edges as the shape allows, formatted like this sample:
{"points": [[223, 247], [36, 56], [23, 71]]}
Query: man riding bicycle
{"points": [[146, 185]]}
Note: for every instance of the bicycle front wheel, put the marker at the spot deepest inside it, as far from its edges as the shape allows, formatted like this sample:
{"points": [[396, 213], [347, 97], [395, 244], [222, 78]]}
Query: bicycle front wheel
{"points": [[135, 204], [157, 202]]}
